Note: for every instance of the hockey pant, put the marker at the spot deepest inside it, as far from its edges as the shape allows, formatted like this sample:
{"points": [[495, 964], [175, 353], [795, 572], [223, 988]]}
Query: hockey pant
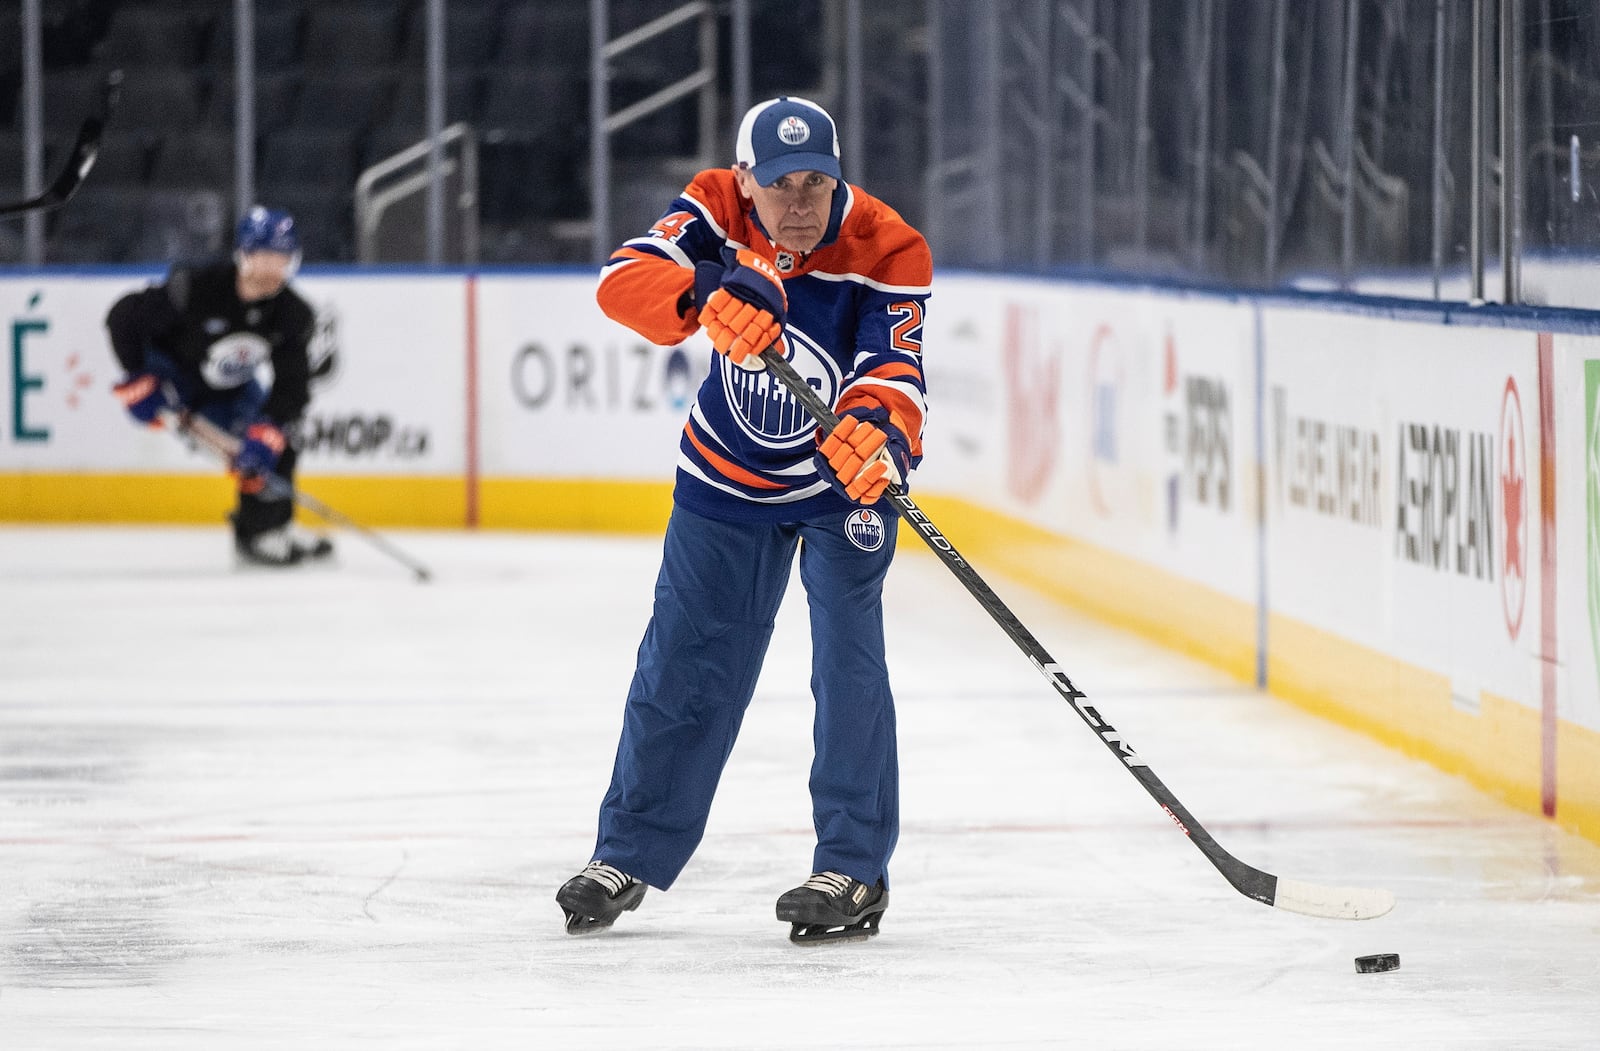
{"points": [[232, 410], [715, 601]]}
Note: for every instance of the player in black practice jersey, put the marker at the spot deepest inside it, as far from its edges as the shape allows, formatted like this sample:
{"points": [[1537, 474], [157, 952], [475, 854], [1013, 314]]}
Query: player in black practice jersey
{"points": [[195, 343]]}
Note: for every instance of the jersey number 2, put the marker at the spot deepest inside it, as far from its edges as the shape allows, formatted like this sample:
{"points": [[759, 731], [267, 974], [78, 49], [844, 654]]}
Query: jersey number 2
{"points": [[906, 336]]}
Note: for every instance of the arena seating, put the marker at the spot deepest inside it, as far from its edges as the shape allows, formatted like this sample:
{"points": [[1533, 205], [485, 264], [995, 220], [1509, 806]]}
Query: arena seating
{"points": [[339, 85]]}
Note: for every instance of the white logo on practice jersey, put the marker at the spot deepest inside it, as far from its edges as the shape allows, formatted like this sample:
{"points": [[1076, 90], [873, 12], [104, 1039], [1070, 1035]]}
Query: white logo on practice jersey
{"points": [[794, 131], [232, 360]]}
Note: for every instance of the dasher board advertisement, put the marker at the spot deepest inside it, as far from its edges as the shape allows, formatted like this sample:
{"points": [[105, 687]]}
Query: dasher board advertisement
{"points": [[389, 398], [1124, 419], [1402, 476], [565, 392]]}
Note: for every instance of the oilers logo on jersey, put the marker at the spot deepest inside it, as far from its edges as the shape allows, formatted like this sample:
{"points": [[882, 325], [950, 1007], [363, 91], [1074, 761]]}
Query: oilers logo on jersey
{"points": [[853, 330], [764, 408], [864, 528]]}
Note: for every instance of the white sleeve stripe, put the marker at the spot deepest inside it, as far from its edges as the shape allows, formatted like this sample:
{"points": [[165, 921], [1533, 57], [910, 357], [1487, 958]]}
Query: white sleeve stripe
{"points": [[612, 267], [879, 286], [705, 213], [865, 355], [667, 248], [910, 392]]}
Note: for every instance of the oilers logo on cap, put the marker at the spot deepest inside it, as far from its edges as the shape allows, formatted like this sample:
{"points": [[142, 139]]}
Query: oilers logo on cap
{"points": [[787, 134], [864, 528], [794, 131]]}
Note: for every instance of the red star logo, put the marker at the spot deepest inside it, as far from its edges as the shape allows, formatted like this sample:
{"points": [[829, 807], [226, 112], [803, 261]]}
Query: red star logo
{"points": [[1033, 385], [1513, 493], [1511, 484]]}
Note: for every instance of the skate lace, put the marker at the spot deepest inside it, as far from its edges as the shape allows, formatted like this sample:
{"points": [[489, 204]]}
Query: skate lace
{"points": [[613, 879], [832, 884]]}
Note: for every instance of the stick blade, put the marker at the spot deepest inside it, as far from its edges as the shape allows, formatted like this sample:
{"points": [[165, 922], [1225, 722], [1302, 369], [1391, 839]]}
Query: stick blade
{"points": [[85, 150], [1332, 903]]}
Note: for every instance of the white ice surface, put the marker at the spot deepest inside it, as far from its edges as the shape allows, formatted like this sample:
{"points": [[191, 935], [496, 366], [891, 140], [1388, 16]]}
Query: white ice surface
{"points": [[331, 809]]}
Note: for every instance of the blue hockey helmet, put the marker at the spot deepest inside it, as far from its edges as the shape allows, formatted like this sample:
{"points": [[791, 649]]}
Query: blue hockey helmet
{"points": [[267, 230]]}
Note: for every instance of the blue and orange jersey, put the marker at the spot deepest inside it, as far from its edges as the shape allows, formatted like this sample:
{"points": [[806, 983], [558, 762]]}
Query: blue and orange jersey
{"points": [[853, 331]]}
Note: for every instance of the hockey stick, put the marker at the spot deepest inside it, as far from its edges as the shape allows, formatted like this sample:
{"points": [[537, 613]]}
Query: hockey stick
{"points": [[226, 446], [84, 152], [1309, 899]]}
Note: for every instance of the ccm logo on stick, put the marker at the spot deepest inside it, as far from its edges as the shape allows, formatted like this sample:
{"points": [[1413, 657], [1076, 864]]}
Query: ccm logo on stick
{"points": [[1108, 733]]}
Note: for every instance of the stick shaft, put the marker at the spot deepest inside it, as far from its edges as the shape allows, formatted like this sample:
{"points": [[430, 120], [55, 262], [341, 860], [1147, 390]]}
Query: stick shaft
{"points": [[226, 446], [1249, 881]]}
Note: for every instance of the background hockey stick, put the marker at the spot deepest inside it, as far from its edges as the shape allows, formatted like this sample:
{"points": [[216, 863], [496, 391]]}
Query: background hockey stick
{"points": [[84, 152], [226, 446], [1310, 899]]}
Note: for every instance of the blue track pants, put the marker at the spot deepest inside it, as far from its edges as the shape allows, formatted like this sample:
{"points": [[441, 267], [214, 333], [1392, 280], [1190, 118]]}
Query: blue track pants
{"points": [[715, 601]]}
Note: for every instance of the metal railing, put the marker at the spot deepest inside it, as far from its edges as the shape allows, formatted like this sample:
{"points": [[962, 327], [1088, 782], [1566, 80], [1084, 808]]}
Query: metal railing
{"points": [[1373, 145], [404, 175], [604, 123]]}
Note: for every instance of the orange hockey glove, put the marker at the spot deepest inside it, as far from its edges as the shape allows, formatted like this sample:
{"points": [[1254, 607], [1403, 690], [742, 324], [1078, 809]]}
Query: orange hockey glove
{"points": [[863, 454], [144, 397], [744, 316]]}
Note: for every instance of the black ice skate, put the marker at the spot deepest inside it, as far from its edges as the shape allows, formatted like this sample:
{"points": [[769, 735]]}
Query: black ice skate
{"points": [[280, 548], [831, 906], [595, 897]]}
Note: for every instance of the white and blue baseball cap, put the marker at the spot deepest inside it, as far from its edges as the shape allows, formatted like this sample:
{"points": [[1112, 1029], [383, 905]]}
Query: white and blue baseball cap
{"points": [[787, 134]]}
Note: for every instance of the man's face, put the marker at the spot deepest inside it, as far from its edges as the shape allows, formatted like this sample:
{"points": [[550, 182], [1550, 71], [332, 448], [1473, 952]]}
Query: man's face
{"points": [[794, 209], [263, 273]]}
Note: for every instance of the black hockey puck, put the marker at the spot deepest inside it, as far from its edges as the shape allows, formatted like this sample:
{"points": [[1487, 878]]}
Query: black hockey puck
{"points": [[1383, 961]]}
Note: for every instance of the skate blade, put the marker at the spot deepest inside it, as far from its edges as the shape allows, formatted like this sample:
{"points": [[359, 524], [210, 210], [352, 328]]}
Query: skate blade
{"points": [[580, 922], [822, 934], [243, 564], [577, 923]]}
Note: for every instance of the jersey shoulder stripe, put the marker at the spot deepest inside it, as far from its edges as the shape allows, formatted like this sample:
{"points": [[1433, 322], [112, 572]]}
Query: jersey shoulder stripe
{"points": [[878, 249], [876, 286], [652, 248], [714, 193]]}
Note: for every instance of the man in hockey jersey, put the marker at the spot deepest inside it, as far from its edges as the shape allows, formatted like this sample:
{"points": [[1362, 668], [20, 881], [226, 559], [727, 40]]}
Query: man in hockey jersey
{"points": [[777, 250], [194, 343]]}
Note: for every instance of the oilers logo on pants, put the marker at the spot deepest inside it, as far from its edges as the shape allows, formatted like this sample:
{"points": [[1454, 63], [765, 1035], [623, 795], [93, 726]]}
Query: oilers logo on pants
{"points": [[865, 529]]}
